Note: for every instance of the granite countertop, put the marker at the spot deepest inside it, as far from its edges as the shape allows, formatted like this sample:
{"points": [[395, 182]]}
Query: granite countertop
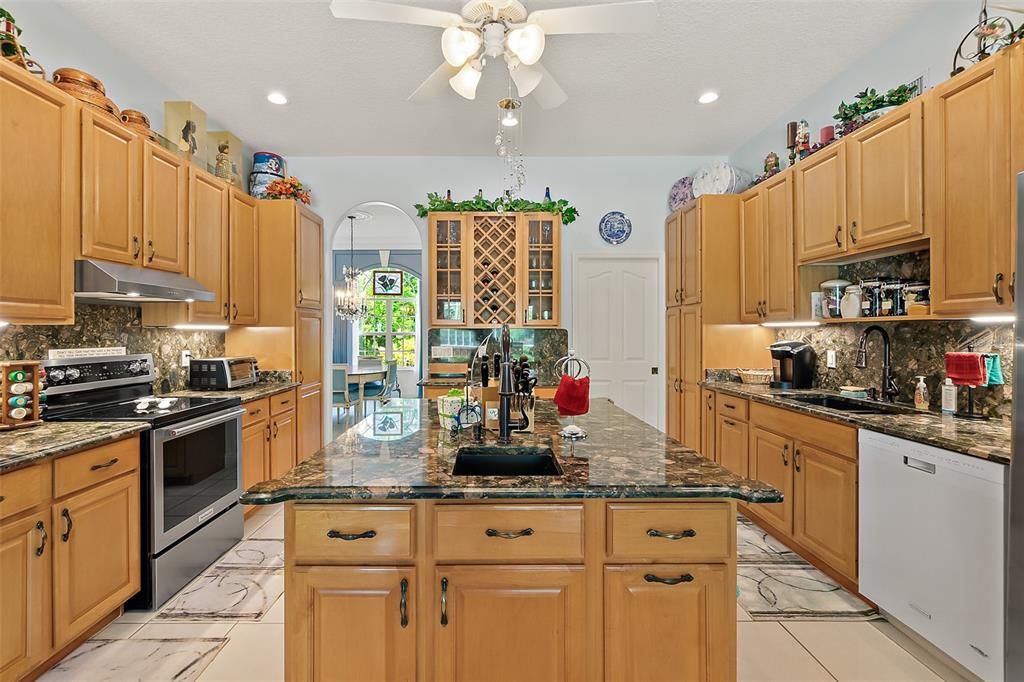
{"points": [[249, 393], [623, 457], [985, 439], [21, 447]]}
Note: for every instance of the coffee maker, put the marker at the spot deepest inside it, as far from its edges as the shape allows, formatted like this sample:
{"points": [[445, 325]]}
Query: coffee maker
{"points": [[793, 364]]}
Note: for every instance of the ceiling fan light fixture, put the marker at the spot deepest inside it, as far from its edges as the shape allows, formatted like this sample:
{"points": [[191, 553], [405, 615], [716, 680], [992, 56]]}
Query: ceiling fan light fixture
{"points": [[466, 80], [526, 43], [525, 77], [459, 45]]}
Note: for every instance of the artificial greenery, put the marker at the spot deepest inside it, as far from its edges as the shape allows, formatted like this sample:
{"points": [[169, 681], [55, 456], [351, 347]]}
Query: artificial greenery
{"points": [[437, 203], [9, 49], [869, 100]]}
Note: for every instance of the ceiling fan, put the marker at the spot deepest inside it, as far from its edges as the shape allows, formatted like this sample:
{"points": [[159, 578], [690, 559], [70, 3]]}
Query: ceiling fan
{"points": [[492, 29]]}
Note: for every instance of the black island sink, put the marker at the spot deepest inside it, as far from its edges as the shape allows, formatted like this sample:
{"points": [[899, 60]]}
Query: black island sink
{"points": [[505, 460], [843, 404]]}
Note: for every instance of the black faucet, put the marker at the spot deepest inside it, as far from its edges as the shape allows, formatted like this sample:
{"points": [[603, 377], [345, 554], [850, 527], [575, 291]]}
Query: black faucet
{"points": [[506, 389], [889, 389]]}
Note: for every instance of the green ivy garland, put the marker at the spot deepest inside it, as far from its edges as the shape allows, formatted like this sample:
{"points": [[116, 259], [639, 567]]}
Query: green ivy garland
{"points": [[478, 204], [869, 100]]}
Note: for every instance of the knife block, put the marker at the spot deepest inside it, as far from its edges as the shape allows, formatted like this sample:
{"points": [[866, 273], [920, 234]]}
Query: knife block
{"points": [[15, 390]]}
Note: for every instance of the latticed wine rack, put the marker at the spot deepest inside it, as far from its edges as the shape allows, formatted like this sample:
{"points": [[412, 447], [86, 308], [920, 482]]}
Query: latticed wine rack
{"points": [[494, 268]]}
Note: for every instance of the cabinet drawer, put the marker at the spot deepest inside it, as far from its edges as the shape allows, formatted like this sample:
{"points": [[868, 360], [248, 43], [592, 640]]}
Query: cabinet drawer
{"points": [[89, 467], [356, 533], [282, 401], [670, 532], [256, 411], [508, 532], [737, 408], [24, 488], [829, 435]]}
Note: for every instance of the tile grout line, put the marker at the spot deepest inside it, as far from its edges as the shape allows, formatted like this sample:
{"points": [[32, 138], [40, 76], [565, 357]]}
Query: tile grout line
{"points": [[809, 652], [910, 653]]}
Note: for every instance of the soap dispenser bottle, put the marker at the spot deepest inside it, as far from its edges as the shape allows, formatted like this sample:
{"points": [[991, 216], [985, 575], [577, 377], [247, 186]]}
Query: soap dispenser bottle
{"points": [[921, 397], [948, 397]]}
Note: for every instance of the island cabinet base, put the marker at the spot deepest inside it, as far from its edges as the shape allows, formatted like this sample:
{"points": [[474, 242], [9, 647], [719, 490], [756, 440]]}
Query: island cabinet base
{"points": [[581, 590]]}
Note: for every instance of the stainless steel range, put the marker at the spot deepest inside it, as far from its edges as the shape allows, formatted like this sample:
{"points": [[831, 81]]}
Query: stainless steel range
{"points": [[191, 463]]}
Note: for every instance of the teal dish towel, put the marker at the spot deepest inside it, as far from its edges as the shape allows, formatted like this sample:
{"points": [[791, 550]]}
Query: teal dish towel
{"points": [[994, 365]]}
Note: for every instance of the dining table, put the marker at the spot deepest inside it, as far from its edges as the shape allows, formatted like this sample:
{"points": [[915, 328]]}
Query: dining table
{"points": [[360, 374]]}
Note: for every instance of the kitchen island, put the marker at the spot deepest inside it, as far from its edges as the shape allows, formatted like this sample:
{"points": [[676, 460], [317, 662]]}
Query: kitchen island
{"points": [[619, 564]]}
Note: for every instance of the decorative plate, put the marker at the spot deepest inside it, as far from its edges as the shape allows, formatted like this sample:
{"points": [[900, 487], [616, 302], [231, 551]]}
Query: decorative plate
{"points": [[681, 193], [615, 227]]}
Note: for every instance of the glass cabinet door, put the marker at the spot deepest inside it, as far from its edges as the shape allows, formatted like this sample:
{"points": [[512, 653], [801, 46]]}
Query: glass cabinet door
{"points": [[542, 271], [447, 236]]}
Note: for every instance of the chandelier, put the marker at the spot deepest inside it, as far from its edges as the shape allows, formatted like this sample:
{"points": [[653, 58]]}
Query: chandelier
{"points": [[349, 302]]}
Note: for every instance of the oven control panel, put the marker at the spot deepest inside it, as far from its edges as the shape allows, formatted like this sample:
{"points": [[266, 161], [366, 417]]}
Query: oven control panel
{"points": [[63, 376]]}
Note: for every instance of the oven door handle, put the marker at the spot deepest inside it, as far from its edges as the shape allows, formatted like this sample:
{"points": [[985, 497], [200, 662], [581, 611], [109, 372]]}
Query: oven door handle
{"points": [[198, 426]]}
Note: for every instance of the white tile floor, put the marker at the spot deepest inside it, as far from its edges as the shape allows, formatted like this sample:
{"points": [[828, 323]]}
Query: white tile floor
{"points": [[210, 647]]}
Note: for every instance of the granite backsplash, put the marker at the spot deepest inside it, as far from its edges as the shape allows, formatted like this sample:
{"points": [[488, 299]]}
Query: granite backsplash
{"points": [[543, 347], [100, 326]]}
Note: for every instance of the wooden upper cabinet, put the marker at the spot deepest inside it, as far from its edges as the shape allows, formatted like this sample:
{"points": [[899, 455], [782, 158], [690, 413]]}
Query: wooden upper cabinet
{"points": [[752, 245], [165, 209], [665, 622], [309, 259], [533, 619], [25, 615], [39, 186], [884, 179], [448, 265], [243, 255], [820, 220], [308, 347], [539, 265], [969, 189], [208, 244], [690, 243], [779, 269], [825, 509], [111, 190], [673, 260], [770, 460]]}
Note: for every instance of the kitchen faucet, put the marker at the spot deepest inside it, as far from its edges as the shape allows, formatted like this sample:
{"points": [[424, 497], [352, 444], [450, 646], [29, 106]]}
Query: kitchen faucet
{"points": [[506, 390], [889, 389]]}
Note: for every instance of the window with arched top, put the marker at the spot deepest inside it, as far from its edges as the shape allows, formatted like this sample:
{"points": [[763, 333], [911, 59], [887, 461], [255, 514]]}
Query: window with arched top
{"points": [[389, 330]]}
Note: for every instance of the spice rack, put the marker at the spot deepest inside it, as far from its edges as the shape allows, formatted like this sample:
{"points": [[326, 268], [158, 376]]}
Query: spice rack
{"points": [[21, 391]]}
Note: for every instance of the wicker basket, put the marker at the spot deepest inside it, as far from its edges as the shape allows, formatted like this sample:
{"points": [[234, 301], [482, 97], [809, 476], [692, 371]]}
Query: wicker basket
{"points": [[79, 78], [755, 376]]}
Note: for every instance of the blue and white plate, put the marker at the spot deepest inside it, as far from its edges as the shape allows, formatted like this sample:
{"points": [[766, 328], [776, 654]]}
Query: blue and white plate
{"points": [[615, 227]]}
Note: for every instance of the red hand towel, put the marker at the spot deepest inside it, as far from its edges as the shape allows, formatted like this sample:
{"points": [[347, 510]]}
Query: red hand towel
{"points": [[573, 396], [966, 369]]}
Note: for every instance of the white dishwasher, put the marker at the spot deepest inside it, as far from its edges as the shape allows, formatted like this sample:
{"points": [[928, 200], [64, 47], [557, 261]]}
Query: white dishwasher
{"points": [[932, 533]]}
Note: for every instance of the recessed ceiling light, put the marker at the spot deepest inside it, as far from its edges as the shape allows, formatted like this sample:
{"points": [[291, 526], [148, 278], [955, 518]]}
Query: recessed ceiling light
{"points": [[277, 97], [708, 97]]}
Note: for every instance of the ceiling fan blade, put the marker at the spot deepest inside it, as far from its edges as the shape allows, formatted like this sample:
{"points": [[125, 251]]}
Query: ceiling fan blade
{"points": [[435, 84], [372, 10], [640, 16], [548, 93]]}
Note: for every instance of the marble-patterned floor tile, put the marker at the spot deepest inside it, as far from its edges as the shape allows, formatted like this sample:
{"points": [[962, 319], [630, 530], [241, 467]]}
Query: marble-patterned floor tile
{"points": [[255, 651], [175, 630], [118, 631], [226, 594], [136, 617], [276, 612], [766, 652], [755, 545], [858, 651], [123, 660], [794, 592], [253, 553], [742, 615], [254, 523], [273, 529]]}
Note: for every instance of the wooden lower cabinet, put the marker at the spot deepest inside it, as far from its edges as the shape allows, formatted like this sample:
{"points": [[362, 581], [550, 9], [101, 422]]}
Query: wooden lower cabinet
{"points": [[25, 614], [255, 450], [731, 444], [354, 624], [770, 456], [282, 444], [825, 506], [310, 422], [708, 425], [510, 623], [662, 622]]}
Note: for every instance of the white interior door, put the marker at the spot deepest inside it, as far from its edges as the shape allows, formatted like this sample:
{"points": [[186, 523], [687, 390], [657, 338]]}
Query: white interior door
{"points": [[617, 328]]}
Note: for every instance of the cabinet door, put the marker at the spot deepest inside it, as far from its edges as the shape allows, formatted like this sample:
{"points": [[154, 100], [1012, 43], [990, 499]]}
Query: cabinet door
{"points": [[708, 425], [351, 624], [731, 444], [539, 259], [752, 257], [255, 443], [669, 622], [821, 204], [779, 270], [39, 179], [164, 209], [308, 347], [770, 456], [25, 617], [111, 190], [691, 254], [673, 373], [243, 254], [447, 258], [690, 343], [309, 265], [825, 509], [97, 555], [691, 416], [531, 619], [310, 423], [968, 189], [282, 444], [673, 260], [208, 244], [884, 179]]}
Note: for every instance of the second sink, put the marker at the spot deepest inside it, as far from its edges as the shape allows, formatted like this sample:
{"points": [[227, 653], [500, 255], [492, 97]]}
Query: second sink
{"points": [[505, 460], [844, 404]]}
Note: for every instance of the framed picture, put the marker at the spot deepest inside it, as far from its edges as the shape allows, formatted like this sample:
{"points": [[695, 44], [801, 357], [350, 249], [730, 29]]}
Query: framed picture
{"points": [[388, 282], [388, 424]]}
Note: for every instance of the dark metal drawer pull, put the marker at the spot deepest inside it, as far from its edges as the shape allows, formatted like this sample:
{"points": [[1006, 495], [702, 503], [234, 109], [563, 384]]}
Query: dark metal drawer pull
{"points": [[338, 535], [402, 604], [97, 467], [66, 535], [508, 534], [688, 533], [729, 405], [685, 578], [43, 537], [444, 601]]}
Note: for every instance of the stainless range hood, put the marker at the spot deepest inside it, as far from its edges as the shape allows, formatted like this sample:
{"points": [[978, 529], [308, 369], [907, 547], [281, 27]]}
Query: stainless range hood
{"points": [[106, 281]]}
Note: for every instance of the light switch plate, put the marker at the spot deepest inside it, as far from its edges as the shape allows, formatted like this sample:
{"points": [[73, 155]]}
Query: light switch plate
{"points": [[830, 359], [186, 356]]}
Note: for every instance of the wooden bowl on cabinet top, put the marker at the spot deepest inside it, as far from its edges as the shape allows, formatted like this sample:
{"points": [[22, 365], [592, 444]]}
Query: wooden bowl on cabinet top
{"points": [[77, 77]]}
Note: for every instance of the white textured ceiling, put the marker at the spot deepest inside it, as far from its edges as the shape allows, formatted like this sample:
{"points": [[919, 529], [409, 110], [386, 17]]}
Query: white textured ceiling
{"points": [[347, 81]]}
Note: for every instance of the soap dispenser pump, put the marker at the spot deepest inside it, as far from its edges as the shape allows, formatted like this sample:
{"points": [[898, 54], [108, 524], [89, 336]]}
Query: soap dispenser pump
{"points": [[921, 397]]}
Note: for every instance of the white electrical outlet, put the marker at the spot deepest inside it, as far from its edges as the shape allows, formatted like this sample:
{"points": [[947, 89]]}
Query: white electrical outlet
{"points": [[830, 359], [186, 356]]}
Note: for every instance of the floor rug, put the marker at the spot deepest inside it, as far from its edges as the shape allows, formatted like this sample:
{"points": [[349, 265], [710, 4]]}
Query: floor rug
{"points": [[156, 660]]}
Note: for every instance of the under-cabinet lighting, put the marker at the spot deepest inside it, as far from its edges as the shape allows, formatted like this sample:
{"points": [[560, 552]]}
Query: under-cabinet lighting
{"points": [[201, 327], [3, 323], [792, 323], [994, 319], [133, 294]]}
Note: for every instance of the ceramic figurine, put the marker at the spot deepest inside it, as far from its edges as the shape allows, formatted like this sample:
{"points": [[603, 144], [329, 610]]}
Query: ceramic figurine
{"points": [[771, 164], [222, 169], [803, 139]]}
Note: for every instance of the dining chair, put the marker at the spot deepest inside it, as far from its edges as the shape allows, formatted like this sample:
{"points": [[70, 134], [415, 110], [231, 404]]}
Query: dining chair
{"points": [[382, 393], [343, 395], [369, 362]]}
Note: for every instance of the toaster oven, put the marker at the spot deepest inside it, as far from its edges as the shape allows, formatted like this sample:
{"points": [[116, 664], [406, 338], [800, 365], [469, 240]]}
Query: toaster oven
{"points": [[220, 374]]}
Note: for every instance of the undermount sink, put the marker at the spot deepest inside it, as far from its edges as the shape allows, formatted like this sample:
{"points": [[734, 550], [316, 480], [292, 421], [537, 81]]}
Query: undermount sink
{"points": [[505, 460], [842, 404]]}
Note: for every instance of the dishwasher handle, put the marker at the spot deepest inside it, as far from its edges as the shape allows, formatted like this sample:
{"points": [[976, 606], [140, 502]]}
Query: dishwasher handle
{"points": [[919, 464]]}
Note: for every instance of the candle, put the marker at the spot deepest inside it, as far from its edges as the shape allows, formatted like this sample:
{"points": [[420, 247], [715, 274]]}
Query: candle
{"points": [[791, 134], [828, 133]]}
